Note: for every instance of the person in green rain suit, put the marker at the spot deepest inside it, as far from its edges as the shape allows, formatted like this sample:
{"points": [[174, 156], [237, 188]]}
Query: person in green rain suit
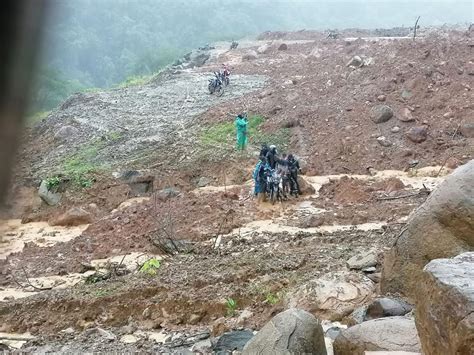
{"points": [[241, 125]]}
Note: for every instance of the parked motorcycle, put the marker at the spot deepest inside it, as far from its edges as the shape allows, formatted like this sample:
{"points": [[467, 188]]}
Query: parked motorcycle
{"points": [[274, 188], [215, 85]]}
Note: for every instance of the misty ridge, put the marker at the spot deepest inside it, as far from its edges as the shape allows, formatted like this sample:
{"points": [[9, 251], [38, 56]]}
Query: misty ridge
{"points": [[99, 44]]}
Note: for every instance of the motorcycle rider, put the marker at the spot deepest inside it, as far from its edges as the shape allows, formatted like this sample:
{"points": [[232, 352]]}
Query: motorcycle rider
{"points": [[294, 169], [272, 157]]}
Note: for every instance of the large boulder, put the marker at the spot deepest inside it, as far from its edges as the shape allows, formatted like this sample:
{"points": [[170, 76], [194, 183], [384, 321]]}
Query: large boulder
{"points": [[384, 334], [442, 227], [293, 331], [66, 133], [381, 113], [72, 217], [49, 197], [305, 187], [387, 307], [334, 295], [198, 58], [232, 341], [362, 260], [445, 306]]}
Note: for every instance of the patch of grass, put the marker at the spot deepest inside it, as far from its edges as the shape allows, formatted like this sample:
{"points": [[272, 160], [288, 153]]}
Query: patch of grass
{"points": [[52, 182], [80, 166], [37, 117], [231, 306], [136, 80], [150, 267], [224, 134], [272, 298], [101, 293], [113, 136]]}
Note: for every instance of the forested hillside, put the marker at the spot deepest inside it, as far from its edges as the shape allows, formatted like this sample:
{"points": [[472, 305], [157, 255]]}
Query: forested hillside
{"points": [[92, 43]]}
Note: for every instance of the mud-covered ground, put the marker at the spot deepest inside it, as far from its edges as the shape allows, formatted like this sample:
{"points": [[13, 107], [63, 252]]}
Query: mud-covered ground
{"points": [[215, 243]]}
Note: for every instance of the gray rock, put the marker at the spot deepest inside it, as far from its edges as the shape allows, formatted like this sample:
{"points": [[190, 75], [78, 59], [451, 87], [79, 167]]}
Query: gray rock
{"points": [[198, 58], [250, 55], [203, 181], [395, 129], [406, 115], [106, 334], [467, 129], [293, 331], [375, 277], [283, 47], [442, 227], [355, 61], [264, 49], [362, 260], [417, 134], [445, 306], [384, 142], [381, 113], [357, 316], [66, 133], [51, 198], [232, 341], [167, 193], [332, 332], [387, 307], [406, 94], [386, 334]]}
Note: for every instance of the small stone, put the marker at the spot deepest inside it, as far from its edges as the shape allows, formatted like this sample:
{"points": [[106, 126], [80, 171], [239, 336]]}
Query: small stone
{"points": [[128, 339], [395, 129], [417, 134], [381, 98], [283, 47], [362, 260], [384, 142], [381, 113], [406, 116], [387, 307], [146, 313]]}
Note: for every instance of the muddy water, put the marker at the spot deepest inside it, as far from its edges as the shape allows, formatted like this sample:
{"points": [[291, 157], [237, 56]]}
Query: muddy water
{"points": [[14, 235]]}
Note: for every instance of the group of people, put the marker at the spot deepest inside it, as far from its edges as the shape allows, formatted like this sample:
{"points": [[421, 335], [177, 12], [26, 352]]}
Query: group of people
{"points": [[286, 166], [270, 162]]}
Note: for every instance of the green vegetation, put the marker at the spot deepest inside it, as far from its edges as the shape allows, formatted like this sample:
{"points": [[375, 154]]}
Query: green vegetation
{"points": [[53, 182], [150, 266], [223, 134], [231, 306], [135, 80], [80, 166], [37, 117], [272, 298]]}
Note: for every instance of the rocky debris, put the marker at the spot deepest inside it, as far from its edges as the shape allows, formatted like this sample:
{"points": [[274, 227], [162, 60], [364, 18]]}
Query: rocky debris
{"points": [[129, 339], [393, 184], [315, 220], [442, 227], [381, 98], [305, 187], [452, 163], [445, 306], [362, 260], [293, 331], [467, 129], [72, 217], [417, 134], [105, 334], [316, 52], [386, 334], [66, 133], [167, 193], [387, 307], [51, 198], [406, 115], [381, 113], [375, 277], [395, 129], [198, 59], [203, 181], [357, 316], [264, 49], [333, 295], [406, 94], [283, 47], [355, 61], [232, 341], [383, 141], [250, 55]]}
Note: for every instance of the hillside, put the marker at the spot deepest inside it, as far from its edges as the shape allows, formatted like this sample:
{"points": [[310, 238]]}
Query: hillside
{"points": [[150, 172]]}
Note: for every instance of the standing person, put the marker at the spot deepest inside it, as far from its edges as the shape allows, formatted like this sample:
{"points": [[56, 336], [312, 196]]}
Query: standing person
{"points": [[263, 151], [241, 125], [260, 178], [294, 168], [272, 157]]}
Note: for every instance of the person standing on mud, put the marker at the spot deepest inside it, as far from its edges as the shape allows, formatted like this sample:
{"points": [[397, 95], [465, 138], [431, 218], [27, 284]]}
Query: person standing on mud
{"points": [[294, 169], [241, 125]]}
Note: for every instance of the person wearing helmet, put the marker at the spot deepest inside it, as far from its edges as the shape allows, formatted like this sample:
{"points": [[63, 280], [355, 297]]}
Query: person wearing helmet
{"points": [[272, 157], [241, 125]]}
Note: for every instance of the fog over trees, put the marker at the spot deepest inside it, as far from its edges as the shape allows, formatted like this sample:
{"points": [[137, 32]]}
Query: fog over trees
{"points": [[100, 43]]}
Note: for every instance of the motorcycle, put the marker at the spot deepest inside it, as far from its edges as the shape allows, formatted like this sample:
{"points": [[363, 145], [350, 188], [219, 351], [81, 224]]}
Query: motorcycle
{"points": [[274, 189], [215, 85]]}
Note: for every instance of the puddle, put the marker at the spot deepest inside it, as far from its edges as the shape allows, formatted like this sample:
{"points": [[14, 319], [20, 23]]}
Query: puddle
{"points": [[15, 340], [14, 235], [131, 261], [272, 226]]}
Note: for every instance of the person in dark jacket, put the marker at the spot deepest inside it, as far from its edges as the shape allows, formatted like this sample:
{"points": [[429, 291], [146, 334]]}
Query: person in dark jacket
{"points": [[263, 151], [294, 169], [272, 157]]}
